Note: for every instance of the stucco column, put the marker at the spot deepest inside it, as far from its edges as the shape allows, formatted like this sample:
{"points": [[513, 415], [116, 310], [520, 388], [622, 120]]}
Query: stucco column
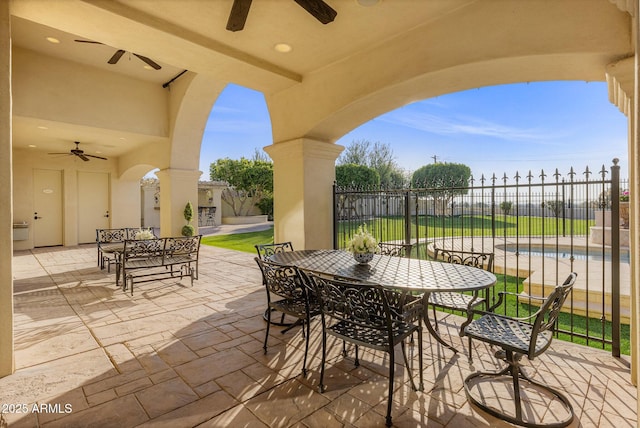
{"points": [[6, 195], [303, 176], [177, 187], [634, 230]]}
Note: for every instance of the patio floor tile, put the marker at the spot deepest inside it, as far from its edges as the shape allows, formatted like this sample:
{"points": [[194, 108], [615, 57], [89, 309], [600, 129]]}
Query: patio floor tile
{"points": [[180, 356]]}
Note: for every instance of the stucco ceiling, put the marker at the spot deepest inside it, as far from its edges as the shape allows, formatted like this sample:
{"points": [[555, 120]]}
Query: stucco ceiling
{"points": [[191, 35]]}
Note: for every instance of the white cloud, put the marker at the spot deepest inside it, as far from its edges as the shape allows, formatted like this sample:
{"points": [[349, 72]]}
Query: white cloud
{"points": [[426, 122]]}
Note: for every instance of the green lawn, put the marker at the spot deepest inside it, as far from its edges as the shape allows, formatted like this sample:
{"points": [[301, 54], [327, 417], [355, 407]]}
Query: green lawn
{"points": [[392, 228], [240, 241], [578, 324]]}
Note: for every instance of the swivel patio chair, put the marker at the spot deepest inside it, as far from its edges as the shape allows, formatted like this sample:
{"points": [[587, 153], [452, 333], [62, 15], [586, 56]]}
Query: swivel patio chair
{"points": [[464, 302], [396, 250], [288, 285], [360, 313], [264, 252], [518, 338]]}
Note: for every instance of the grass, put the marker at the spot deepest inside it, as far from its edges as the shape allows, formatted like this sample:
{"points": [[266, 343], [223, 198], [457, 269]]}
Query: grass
{"points": [[240, 241], [579, 325], [392, 227]]}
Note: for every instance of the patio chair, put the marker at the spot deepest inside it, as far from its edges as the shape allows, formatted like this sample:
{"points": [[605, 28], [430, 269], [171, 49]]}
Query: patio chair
{"points": [[397, 250], [267, 250], [109, 243], [360, 313], [400, 250], [264, 252], [465, 302], [288, 285], [518, 338]]}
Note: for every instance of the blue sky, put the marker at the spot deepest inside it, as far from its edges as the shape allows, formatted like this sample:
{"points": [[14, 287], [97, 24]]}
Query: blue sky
{"points": [[499, 129]]}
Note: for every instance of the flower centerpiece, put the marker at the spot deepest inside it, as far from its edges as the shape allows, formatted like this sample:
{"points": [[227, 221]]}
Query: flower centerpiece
{"points": [[363, 245], [144, 234]]}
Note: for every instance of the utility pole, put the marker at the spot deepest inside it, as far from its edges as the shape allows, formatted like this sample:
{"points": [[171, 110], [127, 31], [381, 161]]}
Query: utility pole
{"points": [[435, 158]]}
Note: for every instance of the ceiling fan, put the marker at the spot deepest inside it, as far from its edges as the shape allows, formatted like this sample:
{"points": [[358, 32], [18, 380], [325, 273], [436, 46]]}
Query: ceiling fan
{"points": [[80, 153], [240, 10], [118, 54]]}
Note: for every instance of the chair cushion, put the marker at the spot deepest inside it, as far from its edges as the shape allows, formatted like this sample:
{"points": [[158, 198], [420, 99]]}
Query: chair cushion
{"points": [[507, 333]]}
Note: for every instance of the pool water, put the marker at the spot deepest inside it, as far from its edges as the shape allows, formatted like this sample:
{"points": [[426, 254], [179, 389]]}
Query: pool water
{"points": [[594, 254]]}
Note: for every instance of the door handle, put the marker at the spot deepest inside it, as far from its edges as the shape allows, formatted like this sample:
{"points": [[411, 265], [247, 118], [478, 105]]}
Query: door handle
{"points": [[35, 216], [107, 214]]}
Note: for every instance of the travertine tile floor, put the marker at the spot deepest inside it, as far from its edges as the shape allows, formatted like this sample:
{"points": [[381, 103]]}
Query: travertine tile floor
{"points": [[88, 354]]}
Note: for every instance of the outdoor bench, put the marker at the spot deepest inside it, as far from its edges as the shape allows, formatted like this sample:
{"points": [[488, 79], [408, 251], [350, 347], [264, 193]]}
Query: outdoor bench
{"points": [[152, 259]]}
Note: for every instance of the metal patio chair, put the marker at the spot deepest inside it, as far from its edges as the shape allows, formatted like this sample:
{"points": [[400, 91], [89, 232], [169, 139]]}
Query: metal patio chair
{"points": [[264, 252], [396, 250], [109, 243], [288, 292], [464, 302], [517, 338], [360, 313]]}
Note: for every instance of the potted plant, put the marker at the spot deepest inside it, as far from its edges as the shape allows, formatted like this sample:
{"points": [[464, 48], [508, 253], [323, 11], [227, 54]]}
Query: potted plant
{"points": [[188, 229], [363, 245]]}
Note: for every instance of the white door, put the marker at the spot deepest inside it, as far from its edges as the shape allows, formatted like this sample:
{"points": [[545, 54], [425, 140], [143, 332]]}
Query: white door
{"points": [[93, 205], [47, 203]]}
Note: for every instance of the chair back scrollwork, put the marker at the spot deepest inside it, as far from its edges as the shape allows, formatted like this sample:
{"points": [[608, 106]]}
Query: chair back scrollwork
{"points": [[395, 250], [482, 260], [267, 250], [282, 280]]}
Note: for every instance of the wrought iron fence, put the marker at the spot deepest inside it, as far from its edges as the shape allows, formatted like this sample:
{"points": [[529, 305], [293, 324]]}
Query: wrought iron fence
{"points": [[539, 227]]}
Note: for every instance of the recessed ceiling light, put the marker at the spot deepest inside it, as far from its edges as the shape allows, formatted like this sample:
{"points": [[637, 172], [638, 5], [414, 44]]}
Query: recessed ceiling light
{"points": [[147, 67], [283, 47], [98, 151], [53, 40], [32, 145], [122, 138], [42, 127], [367, 3]]}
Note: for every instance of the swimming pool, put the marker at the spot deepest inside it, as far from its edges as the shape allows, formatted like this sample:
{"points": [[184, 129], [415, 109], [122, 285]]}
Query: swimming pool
{"points": [[579, 253]]}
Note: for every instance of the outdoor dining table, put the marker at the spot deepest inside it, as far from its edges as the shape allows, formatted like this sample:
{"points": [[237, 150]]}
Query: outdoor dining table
{"points": [[401, 273]]}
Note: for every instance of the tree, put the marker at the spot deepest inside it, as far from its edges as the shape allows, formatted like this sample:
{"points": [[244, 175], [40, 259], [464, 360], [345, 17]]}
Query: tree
{"points": [[249, 182], [377, 156], [506, 207], [349, 174], [443, 181], [556, 207]]}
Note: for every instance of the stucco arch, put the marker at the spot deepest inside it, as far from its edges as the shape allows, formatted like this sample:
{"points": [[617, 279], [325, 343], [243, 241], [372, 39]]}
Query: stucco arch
{"points": [[449, 57], [191, 98]]}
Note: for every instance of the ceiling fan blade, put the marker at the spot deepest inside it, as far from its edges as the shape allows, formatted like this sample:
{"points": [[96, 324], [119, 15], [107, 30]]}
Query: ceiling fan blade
{"points": [[238, 15], [97, 157], [88, 41], [116, 56], [150, 62], [319, 9], [83, 157]]}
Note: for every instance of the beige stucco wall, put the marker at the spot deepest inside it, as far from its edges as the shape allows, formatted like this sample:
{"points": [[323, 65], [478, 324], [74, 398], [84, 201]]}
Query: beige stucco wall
{"points": [[124, 195], [52, 89], [6, 207]]}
